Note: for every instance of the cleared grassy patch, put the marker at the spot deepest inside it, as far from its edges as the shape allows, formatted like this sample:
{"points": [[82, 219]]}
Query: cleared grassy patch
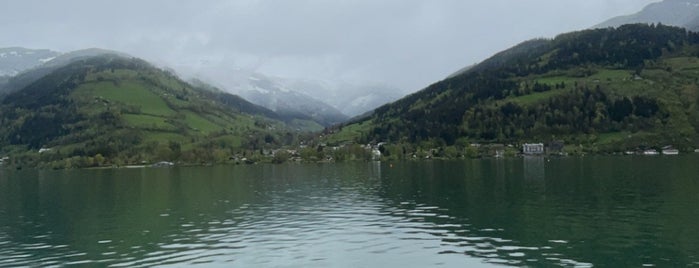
{"points": [[199, 123], [536, 97], [683, 63], [612, 137], [132, 93], [306, 125], [607, 75], [148, 121], [350, 132], [555, 80], [164, 137]]}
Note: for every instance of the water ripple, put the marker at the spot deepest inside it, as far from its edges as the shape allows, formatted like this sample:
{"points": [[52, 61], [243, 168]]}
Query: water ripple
{"points": [[318, 216]]}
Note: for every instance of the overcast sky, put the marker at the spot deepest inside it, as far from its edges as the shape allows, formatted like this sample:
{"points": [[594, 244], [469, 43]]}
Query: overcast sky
{"points": [[404, 43]]}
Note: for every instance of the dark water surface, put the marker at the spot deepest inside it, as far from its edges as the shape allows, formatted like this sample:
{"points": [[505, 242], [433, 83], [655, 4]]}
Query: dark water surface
{"points": [[577, 212]]}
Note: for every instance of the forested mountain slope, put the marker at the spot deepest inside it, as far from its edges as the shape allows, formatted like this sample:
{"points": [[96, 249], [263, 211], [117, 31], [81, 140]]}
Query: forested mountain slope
{"points": [[603, 89], [112, 109]]}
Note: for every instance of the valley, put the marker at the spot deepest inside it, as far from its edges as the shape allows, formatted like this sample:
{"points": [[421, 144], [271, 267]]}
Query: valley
{"points": [[615, 88]]}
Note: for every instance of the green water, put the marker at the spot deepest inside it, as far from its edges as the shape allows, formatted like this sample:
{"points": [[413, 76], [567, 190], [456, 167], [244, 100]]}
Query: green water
{"points": [[593, 211]]}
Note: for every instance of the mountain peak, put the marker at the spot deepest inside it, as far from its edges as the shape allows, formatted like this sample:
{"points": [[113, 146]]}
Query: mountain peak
{"points": [[681, 13]]}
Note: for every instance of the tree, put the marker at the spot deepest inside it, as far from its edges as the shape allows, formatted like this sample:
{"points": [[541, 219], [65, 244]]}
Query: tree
{"points": [[99, 159]]}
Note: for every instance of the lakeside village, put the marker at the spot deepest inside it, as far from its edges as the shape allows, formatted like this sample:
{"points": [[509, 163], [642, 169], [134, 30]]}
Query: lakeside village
{"points": [[322, 153], [383, 151]]}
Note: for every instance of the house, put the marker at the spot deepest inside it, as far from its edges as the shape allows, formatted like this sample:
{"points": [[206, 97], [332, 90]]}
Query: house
{"points": [[533, 148]]}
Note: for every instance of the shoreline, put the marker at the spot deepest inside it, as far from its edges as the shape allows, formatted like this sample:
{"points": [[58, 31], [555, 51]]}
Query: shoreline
{"points": [[522, 156]]}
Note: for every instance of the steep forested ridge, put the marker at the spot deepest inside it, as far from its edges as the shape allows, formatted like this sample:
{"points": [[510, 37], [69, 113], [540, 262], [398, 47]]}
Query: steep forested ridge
{"points": [[608, 89]]}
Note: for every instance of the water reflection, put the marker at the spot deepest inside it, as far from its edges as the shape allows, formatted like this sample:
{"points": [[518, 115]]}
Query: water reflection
{"points": [[520, 212], [583, 212], [534, 169]]}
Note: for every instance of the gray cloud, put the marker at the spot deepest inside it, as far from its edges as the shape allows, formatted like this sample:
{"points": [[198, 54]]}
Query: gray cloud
{"points": [[403, 43]]}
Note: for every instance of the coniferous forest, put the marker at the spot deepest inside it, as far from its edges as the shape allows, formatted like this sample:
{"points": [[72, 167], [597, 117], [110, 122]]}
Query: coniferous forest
{"points": [[603, 90]]}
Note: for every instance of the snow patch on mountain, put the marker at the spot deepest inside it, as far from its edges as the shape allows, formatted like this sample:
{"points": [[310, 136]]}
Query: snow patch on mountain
{"points": [[46, 59], [15, 60], [282, 96]]}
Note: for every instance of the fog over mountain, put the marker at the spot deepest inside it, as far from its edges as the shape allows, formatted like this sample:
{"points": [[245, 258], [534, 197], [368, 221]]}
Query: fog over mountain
{"points": [[14, 60], [384, 49], [682, 13]]}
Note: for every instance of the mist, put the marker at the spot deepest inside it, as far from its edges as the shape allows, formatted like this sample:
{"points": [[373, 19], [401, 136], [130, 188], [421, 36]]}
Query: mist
{"points": [[402, 45]]}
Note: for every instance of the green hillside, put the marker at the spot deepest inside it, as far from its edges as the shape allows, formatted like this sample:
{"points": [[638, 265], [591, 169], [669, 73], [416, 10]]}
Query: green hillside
{"points": [[602, 90], [112, 110], [31, 75]]}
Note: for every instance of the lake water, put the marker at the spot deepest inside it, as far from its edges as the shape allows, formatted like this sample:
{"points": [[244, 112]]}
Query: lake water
{"points": [[577, 212]]}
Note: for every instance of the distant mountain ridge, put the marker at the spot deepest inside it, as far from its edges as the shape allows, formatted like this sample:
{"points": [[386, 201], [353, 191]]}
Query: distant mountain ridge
{"points": [[14, 60], [351, 99], [328, 102], [281, 97], [681, 13], [47, 65]]}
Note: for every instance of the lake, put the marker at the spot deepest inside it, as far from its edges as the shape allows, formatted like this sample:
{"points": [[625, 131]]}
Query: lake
{"points": [[616, 211]]}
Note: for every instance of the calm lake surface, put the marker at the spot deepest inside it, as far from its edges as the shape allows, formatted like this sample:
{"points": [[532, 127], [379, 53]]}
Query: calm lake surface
{"points": [[577, 212]]}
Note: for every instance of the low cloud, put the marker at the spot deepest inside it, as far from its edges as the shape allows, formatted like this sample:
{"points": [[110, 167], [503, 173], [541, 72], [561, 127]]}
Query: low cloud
{"points": [[403, 43]]}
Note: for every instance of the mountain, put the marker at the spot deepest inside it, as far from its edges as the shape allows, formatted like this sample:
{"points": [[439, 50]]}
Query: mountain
{"points": [[114, 110], [279, 95], [681, 13], [600, 90], [368, 99], [298, 122], [47, 65], [350, 98], [14, 60]]}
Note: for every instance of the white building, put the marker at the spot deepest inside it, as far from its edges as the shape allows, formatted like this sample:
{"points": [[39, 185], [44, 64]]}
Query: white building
{"points": [[533, 148]]}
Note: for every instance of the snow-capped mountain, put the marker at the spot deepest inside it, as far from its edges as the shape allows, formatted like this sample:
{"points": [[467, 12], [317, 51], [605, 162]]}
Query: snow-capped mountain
{"points": [[14, 60], [323, 102], [369, 97], [682, 13], [350, 99], [280, 96]]}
